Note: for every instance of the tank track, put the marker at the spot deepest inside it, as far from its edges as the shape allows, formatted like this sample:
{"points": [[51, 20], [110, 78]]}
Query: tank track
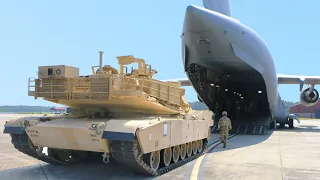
{"points": [[128, 153], [23, 144]]}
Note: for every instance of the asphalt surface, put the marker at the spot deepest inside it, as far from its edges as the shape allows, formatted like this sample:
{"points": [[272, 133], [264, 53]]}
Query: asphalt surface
{"points": [[281, 154]]}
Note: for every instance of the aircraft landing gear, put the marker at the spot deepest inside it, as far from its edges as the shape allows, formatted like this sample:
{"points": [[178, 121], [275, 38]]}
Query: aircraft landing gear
{"points": [[273, 125], [281, 126], [290, 123]]}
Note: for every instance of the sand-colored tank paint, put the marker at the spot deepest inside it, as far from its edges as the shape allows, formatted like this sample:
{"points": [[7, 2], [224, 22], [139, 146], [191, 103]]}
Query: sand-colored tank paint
{"points": [[128, 116], [165, 133], [153, 133]]}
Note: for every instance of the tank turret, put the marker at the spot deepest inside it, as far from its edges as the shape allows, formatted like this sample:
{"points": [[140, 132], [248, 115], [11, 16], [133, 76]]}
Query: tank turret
{"points": [[110, 90]]}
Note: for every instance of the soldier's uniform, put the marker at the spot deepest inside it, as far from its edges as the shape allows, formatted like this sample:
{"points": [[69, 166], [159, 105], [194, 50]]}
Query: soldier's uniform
{"points": [[224, 126]]}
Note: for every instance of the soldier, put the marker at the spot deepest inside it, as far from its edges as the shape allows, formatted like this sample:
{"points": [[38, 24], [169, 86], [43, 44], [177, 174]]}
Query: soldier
{"points": [[224, 127]]}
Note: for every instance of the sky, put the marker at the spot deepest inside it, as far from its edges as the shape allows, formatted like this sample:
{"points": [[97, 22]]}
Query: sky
{"points": [[36, 33]]}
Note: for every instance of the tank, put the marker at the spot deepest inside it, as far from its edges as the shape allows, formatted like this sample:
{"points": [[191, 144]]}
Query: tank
{"points": [[125, 116]]}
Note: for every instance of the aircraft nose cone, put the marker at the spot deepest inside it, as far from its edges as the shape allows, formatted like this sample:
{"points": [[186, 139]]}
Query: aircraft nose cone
{"points": [[198, 19], [194, 19]]}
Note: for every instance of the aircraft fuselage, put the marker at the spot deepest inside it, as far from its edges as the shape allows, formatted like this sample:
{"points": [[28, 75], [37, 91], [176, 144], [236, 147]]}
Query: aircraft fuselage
{"points": [[230, 67]]}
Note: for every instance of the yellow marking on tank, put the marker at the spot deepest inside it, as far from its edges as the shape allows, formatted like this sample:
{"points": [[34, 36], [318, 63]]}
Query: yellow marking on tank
{"points": [[195, 170]]}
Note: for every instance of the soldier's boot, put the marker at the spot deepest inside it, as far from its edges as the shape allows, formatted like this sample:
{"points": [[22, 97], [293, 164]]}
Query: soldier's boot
{"points": [[224, 142]]}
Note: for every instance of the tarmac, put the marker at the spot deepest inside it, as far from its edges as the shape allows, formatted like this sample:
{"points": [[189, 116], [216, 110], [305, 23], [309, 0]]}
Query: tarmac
{"points": [[280, 154]]}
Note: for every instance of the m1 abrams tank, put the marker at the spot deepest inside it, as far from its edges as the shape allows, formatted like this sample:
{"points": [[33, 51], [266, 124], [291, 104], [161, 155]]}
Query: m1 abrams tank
{"points": [[128, 116]]}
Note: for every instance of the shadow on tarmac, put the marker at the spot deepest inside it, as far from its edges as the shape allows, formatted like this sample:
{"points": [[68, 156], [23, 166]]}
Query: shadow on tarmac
{"points": [[92, 170], [113, 170], [302, 128], [242, 140]]}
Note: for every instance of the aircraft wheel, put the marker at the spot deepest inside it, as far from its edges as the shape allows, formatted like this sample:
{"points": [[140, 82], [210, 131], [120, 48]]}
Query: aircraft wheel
{"points": [[200, 145], [175, 153], [153, 159], [166, 156], [290, 123], [183, 151], [194, 147], [272, 125], [189, 149], [282, 125]]}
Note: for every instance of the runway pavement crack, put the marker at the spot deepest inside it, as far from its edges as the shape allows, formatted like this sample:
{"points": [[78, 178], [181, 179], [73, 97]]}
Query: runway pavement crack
{"points": [[44, 173]]}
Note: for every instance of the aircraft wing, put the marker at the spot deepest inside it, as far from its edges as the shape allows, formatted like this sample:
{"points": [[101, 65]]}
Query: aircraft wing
{"points": [[297, 79], [282, 79]]}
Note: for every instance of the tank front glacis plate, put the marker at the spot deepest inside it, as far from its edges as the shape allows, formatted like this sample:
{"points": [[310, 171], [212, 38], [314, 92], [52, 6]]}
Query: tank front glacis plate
{"points": [[82, 133], [69, 133]]}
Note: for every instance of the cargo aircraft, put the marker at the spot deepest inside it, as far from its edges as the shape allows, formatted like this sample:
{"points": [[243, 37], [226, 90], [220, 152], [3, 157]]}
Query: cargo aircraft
{"points": [[231, 68]]}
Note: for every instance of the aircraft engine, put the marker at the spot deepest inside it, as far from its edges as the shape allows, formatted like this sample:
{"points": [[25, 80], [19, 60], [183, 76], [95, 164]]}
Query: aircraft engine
{"points": [[309, 98]]}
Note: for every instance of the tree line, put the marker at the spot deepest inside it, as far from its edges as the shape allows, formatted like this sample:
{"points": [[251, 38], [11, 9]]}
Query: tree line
{"points": [[194, 105]]}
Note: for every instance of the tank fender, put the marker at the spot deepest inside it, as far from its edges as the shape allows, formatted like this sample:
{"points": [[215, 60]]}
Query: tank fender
{"points": [[16, 126]]}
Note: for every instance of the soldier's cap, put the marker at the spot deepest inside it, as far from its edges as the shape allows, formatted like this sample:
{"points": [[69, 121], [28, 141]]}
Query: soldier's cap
{"points": [[224, 113]]}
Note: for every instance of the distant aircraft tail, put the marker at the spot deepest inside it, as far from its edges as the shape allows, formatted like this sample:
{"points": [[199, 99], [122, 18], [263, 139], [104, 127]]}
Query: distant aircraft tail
{"points": [[220, 6]]}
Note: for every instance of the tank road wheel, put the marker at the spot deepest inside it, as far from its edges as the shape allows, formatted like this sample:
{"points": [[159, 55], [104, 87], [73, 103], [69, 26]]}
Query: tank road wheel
{"points": [[189, 149], [175, 153], [166, 155], [194, 147], [183, 151], [200, 145], [153, 159]]}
